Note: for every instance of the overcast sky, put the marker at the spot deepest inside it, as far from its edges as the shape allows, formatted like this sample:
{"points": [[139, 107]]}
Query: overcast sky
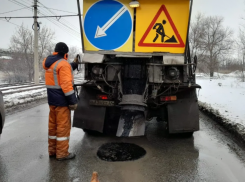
{"points": [[232, 11]]}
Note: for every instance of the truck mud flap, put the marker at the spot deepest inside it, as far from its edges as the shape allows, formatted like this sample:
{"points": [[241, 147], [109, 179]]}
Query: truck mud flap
{"points": [[87, 116], [183, 116]]}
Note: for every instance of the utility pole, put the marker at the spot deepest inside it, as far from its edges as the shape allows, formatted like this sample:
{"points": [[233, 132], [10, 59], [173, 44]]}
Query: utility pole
{"points": [[243, 79], [80, 23], [36, 63]]}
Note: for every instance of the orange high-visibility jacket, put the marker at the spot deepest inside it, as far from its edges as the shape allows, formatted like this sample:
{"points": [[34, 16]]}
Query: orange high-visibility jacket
{"points": [[59, 80]]}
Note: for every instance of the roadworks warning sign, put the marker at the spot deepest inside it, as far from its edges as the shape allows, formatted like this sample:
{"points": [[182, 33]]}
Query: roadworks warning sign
{"points": [[162, 26]]}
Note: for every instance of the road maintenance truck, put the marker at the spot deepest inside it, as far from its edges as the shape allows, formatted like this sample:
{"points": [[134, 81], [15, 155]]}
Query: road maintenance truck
{"points": [[137, 67]]}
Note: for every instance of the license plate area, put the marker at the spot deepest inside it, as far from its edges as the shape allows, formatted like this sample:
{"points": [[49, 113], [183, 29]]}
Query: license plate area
{"points": [[101, 103]]}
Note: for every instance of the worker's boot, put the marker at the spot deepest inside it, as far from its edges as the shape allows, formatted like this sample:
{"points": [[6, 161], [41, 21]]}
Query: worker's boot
{"points": [[52, 156], [70, 156]]}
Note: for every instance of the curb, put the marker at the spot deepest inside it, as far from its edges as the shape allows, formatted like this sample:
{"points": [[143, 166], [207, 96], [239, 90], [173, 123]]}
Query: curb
{"points": [[235, 129], [24, 106]]}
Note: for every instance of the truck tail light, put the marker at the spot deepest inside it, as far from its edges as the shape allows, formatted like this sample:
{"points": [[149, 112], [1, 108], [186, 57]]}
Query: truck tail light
{"points": [[102, 97], [168, 98]]}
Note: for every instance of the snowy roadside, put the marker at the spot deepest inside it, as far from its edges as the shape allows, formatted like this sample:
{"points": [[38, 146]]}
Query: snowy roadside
{"points": [[223, 100], [27, 99], [16, 101]]}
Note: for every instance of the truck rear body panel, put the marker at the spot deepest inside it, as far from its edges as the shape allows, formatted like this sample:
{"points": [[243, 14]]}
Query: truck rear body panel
{"points": [[138, 59]]}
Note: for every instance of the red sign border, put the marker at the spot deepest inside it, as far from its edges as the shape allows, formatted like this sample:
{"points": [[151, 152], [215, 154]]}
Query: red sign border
{"points": [[164, 9]]}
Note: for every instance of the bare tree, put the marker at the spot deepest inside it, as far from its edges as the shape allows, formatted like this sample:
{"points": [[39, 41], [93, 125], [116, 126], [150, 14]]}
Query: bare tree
{"points": [[241, 50], [46, 46], [217, 41], [50, 49], [210, 41], [45, 38], [14, 69], [73, 51], [196, 35], [21, 47], [195, 39]]}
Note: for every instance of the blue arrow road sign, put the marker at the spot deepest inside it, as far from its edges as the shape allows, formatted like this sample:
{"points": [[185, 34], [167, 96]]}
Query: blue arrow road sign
{"points": [[108, 24]]}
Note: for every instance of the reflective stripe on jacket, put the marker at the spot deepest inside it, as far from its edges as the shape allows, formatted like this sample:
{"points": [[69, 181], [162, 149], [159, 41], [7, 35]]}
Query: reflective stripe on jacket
{"points": [[59, 81]]}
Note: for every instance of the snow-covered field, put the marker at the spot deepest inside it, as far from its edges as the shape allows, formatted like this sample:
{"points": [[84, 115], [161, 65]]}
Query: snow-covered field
{"points": [[224, 96]]}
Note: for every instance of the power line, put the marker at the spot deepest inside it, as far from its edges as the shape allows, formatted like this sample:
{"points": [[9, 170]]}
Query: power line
{"points": [[58, 17], [16, 24], [21, 4], [65, 26], [11, 23], [26, 28], [31, 2], [49, 19], [64, 23], [29, 30], [63, 20], [12, 11], [57, 23], [52, 21], [56, 9], [67, 31], [52, 13]]}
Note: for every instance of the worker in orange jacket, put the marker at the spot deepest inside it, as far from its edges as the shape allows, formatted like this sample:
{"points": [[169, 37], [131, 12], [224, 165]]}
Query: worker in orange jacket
{"points": [[61, 100]]}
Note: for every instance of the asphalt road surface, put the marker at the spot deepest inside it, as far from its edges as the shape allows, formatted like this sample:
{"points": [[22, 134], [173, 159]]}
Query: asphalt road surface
{"points": [[210, 155]]}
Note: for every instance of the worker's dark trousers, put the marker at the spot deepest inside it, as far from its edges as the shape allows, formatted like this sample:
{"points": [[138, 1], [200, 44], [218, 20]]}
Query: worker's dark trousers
{"points": [[59, 131]]}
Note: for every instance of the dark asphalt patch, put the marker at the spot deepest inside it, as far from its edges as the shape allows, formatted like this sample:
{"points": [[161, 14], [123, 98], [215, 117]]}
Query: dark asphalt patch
{"points": [[113, 152]]}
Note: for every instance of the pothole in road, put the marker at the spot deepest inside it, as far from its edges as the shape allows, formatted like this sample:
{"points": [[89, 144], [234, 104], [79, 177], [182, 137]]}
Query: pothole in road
{"points": [[113, 152]]}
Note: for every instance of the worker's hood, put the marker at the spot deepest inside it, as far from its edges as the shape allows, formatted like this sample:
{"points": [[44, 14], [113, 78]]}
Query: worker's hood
{"points": [[51, 59]]}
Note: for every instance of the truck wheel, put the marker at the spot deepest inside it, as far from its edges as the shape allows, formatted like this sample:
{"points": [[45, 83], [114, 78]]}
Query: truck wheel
{"points": [[180, 135], [188, 134], [91, 132]]}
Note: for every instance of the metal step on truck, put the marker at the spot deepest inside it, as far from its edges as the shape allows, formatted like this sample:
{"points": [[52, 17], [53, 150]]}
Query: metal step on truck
{"points": [[137, 66]]}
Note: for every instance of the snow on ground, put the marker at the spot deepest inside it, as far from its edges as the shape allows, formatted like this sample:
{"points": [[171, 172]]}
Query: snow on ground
{"points": [[225, 94], [11, 100]]}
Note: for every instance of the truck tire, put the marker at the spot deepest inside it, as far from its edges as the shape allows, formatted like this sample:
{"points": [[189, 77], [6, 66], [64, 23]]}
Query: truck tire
{"points": [[1, 124], [188, 134], [91, 132], [180, 135]]}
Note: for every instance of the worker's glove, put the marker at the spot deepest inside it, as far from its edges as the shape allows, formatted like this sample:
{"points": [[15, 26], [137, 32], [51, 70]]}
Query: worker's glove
{"points": [[73, 107], [76, 59]]}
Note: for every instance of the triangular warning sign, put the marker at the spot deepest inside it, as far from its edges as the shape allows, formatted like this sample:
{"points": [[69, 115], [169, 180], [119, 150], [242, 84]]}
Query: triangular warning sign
{"points": [[160, 34]]}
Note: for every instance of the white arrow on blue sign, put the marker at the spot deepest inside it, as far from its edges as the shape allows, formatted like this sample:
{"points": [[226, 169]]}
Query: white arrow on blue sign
{"points": [[108, 25]]}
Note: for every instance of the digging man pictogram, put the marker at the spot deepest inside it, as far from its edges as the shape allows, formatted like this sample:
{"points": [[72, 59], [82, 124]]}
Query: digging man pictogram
{"points": [[160, 31]]}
